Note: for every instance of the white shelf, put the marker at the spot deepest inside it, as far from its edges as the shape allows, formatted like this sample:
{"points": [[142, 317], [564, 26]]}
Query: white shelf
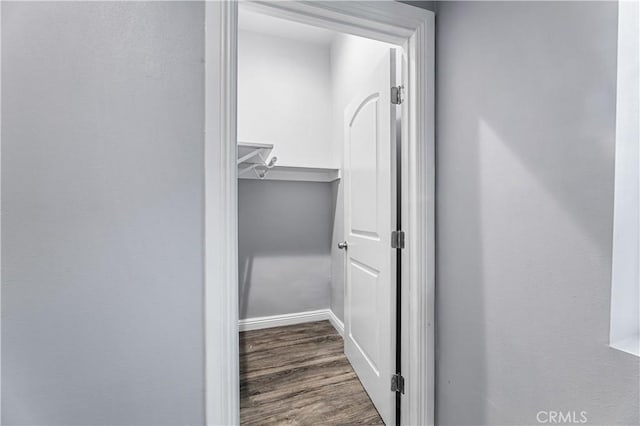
{"points": [[252, 159], [250, 152], [306, 174], [254, 163]]}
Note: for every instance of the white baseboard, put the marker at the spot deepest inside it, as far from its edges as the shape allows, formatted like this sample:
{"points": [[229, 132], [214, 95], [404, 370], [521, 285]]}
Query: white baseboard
{"points": [[259, 323], [337, 324]]}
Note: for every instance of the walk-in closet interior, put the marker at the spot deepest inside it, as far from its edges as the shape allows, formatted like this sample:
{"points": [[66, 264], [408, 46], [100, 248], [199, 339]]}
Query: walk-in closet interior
{"points": [[294, 84]]}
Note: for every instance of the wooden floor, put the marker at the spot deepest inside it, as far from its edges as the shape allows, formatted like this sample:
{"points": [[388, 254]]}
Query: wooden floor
{"points": [[299, 375]]}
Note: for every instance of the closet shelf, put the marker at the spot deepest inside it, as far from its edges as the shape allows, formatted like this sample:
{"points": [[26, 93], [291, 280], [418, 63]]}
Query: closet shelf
{"points": [[253, 164], [307, 174], [252, 157]]}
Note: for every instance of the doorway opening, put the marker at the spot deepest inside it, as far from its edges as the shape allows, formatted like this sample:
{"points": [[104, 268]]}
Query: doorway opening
{"points": [[391, 22], [318, 140]]}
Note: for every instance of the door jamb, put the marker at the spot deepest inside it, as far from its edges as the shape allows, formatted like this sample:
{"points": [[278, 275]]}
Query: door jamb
{"points": [[388, 21]]}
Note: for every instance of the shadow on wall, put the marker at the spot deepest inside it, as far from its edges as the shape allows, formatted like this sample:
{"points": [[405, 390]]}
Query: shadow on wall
{"points": [[284, 238], [525, 154]]}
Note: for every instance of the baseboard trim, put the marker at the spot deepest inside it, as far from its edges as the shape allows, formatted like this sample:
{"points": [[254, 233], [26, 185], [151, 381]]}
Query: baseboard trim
{"points": [[259, 323], [337, 324]]}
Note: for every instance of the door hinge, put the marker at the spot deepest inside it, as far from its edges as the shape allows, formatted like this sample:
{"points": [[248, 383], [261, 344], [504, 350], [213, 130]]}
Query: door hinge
{"points": [[397, 383], [397, 239], [397, 95]]}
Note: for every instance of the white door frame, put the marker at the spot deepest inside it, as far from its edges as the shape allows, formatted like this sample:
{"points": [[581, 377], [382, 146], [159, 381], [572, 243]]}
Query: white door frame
{"points": [[388, 21]]}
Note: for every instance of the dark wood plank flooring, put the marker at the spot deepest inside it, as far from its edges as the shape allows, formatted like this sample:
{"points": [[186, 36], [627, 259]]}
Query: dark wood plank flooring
{"points": [[299, 375]]}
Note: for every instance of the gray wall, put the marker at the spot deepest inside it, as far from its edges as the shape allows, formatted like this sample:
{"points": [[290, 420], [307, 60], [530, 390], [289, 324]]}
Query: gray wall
{"points": [[102, 221], [284, 237], [525, 148]]}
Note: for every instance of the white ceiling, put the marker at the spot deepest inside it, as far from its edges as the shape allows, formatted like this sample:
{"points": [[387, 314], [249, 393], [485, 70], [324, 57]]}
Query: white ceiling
{"points": [[264, 24]]}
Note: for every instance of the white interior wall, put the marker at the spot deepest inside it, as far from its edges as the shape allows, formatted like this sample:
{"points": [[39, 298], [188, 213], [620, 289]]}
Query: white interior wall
{"points": [[284, 98]]}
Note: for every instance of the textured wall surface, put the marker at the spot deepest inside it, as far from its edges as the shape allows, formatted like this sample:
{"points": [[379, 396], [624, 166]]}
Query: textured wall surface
{"points": [[102, 213], [525, 167]]}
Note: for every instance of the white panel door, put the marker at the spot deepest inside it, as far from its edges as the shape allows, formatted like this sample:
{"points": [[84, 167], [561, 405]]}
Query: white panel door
{"points": [[370, 217]]}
